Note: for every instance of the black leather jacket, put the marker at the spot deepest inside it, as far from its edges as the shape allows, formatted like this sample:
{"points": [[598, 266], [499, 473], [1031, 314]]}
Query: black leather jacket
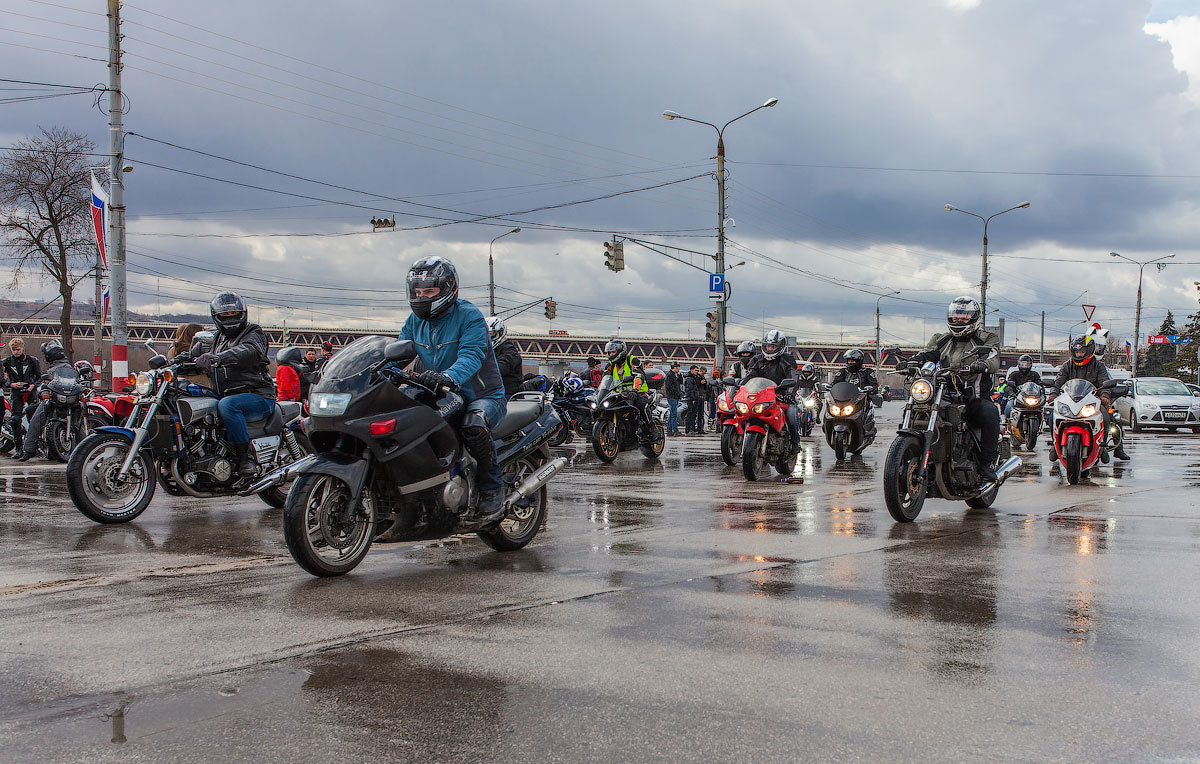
{"points": [[24, 369], [1016, 378], [777, 369], [1093, 371], [508, 358], [243, 365], [864, 378], [808, 382]]}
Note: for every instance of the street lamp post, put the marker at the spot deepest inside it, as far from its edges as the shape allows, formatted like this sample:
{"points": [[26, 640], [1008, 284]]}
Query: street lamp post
{"points": [[1137, 319], [492, 272], [984, 281], [878, 351], [720, 258]]}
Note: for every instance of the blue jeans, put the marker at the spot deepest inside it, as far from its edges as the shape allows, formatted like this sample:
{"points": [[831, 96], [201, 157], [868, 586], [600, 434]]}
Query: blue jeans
{"points": [[493, 411], [792, 416], [672, 416], [238, 409]]}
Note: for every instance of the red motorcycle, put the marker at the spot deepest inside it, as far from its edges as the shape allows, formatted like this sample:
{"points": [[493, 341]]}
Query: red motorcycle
{"points": [[109, 409], [766, 439], [730, 422]]}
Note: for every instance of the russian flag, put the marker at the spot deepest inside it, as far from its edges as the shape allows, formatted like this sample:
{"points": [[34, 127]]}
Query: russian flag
{"points": [[105, 304], [1128, 351], [100, 219]]}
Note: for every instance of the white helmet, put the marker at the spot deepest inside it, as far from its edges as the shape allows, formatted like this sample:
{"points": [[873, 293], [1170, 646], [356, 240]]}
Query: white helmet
{"points": [[497, 330]]}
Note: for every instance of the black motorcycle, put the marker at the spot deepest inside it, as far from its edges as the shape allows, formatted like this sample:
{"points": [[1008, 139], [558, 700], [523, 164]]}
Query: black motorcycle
{"points": [[175, 436], [1025, 419], [849, 423], [574, 409], [390, 466], [619, 425], [65, 396], [935, 451]]}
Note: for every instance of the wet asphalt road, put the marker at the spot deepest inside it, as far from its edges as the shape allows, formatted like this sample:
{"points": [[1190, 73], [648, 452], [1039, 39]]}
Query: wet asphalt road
{"points": [[668, 611]]}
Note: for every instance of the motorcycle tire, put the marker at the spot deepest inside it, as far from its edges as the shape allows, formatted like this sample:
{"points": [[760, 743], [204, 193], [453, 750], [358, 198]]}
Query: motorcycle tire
{"points": [[167, 482], [806, 426], [99, 455], [1073, 458], [754, 463], [604, 440], [903, 486], [60, 441], [319, 546], [839, 445], [561, 435], [525, 518], [7, 444], [731, 446], [654, 448], [786, 465]]}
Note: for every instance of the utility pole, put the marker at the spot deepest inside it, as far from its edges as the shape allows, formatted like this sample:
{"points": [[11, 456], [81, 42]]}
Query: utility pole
{"points": [[98, 328], [719, 359], [1137, 320], [1042, 347], [116, 148], [878, 350], [983, 283]]}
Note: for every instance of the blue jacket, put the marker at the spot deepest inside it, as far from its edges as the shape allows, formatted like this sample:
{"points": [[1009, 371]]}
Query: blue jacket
{"points": [[457, 344]]}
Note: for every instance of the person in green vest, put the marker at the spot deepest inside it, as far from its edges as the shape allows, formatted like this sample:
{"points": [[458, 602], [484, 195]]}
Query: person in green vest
{"points": [[626, 370]]}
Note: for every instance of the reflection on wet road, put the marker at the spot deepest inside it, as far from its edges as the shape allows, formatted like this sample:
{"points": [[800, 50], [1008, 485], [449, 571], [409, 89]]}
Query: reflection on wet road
{"points": [[668, 610]]}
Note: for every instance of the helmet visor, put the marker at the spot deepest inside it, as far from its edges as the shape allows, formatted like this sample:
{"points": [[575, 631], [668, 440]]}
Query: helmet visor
{"points": [[1079, 352], [960, 318]]}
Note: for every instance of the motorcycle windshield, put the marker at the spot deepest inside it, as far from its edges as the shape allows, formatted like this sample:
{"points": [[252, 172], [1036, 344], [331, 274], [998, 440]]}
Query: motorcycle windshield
{"points": [[1078, 389], [350, 370], [64, 380], [1031, 390], [606, 386], [757, 385], [844, 392]]}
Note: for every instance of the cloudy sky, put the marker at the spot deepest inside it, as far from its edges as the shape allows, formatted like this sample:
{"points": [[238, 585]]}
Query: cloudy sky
{"points": [[547, 116]]}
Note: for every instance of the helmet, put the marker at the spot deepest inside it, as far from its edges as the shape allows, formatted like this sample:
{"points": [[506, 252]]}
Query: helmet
{"points": [[497, 330], [808, 370], [773, 339], [617, 351], [1025, 362], [432, 273], [229, 313], [327, 347], [85, 369], [53, 351], [854, 359], [290, 356], [593, 361], [745, 351], [573, 385], [1082, 350], [963, 317]]}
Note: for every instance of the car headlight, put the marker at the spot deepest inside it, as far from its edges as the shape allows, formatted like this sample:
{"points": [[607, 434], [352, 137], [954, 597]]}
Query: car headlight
{"points": [[760, 407], [1088, 410], [1030, 400], [144, 381], [328, 404], [809, 403], [1196, 406], [741, 407], [1064, 409], [921, 391]]}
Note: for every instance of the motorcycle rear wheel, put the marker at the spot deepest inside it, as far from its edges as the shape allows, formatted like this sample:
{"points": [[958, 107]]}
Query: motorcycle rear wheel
{"points": [[731, 446], [604, 440], [93, 486], [786, 465], [1073, 458], [903, 486], [561, 435], [754, 462], [316, 540], [524, 519]]}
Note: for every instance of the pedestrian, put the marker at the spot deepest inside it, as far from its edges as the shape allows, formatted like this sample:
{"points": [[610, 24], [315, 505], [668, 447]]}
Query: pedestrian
{"points": [[289, 365], [714, 388], [673, 390], [326, 354], [693, 393], [21, 374], [310, 372], [595, 373]]}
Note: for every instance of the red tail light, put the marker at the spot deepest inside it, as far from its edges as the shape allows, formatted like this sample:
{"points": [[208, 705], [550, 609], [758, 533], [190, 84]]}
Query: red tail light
{"points": [[383, 427]]}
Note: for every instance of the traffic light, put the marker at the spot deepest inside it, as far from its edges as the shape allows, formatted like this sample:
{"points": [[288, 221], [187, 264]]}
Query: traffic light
{"points": [[551, 309], [710, 328], [614, 255]]}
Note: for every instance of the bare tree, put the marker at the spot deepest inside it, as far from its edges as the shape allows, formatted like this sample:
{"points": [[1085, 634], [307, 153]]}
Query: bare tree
{"points": [[45, 212]]}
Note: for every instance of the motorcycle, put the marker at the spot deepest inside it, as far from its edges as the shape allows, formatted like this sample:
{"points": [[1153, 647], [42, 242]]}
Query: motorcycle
{"points": [[574, 410], [387, 456], [935, 451], [1025, 419], [176, 432], [7, 439], [849, 419], [730, 422], [110, 408], [809, 405], [1080, 434], [767, 439], [619, 425], [66, 397]]}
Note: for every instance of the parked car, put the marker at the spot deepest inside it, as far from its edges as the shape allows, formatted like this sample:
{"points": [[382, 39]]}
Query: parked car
{"points": [[1194, 388], [1159, 402]]}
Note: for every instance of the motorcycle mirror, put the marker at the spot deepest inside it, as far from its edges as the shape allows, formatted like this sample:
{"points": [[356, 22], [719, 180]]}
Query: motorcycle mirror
{"points": [[1108, 383], [400, 351], [158, 361], [893, 351], [1120, 390], [732, 381], [627, 378]]}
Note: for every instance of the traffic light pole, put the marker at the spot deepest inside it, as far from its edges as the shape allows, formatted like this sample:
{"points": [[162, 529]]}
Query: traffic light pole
{"points": [[116, 148], [721, 306]]}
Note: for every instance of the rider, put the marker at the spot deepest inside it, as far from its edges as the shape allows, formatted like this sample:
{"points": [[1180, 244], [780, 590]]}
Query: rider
{"points": [[745, 354], [452, 342], [508, 356], [857, 373], [239, 369], [964, 320], [56, 358], [621, 365], [809, 379], [1017, 376], [775, 363], [1085, 365]]}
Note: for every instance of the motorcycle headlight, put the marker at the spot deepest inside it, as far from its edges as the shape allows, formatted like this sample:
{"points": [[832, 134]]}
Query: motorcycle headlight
{"points": [[760, 407], [144, 381], [848, 409], [721, 404], [593, 405], [1064, 409], [62, 398], [741, 407], [1030, 400], [1088, 410], [328, 404], [921, 391], [809, 403], [607, 404]]}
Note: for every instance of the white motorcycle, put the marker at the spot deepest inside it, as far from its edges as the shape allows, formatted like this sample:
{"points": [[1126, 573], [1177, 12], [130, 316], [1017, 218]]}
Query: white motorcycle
{"points": [[1080, 435]]}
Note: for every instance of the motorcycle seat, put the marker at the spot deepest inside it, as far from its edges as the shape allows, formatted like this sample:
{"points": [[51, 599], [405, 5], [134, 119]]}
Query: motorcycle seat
{"points": [[290, 409], [520, 414], [272, 425]]}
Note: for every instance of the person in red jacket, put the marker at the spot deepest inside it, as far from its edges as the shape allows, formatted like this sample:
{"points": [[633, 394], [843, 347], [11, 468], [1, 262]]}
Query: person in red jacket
{"points": [[287, 376]]}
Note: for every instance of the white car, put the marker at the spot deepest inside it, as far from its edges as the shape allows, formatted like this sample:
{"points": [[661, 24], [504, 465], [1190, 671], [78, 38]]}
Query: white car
{"points": [[1159, 402]]}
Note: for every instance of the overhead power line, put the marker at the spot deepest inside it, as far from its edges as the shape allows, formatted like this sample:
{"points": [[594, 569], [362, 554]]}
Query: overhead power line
{"points": [[1044, 173]]}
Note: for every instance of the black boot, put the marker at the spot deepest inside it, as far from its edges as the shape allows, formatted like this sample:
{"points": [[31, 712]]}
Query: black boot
{"points": [[1120, 453], [245, 467]]}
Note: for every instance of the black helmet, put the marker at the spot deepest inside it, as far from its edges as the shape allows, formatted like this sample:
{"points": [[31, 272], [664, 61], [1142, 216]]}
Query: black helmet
{"points": [[617, 351], [1082, 349], [963, 317], [290, 356], [53, 351], [773, 339], [854, 359], [1025, 362], [229, 313], [432, 273], [808, 370], [745, 351]]}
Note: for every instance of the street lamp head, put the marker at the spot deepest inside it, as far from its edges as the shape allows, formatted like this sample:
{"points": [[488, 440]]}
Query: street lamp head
{"points": [[668, 114], [515, 230], [1022, 205], [1171, 255], [950, 208], [770, 102], [1114, 254]]}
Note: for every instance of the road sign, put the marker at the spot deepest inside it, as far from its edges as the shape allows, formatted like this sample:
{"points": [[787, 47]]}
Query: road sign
{"points": [[1178, 339], [1088, 310], [716, 283], [1158, 339]]}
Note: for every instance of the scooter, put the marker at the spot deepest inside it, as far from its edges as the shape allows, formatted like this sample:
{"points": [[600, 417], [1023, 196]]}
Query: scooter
{"points": [[849, 419]]}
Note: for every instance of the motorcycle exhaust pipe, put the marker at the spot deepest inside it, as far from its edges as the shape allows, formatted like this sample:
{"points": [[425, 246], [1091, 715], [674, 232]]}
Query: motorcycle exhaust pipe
{"points": [[534, 482], [1006, 471], [279, 476]]}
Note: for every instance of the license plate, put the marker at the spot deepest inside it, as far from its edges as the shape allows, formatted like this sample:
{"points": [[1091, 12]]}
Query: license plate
{"points": [[1175, 414]]}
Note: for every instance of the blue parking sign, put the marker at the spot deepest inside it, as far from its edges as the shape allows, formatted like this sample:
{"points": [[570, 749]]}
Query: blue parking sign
{"points": [[716, 282]]}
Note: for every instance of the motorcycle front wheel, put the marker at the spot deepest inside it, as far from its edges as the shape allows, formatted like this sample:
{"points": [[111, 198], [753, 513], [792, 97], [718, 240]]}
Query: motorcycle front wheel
{"points": [[839, 445], [319, 539], [731, 445], [754, 462], [60, 441], [604, 440], [525, 517], [903, 483], [1073, 458], [94, 487]]}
